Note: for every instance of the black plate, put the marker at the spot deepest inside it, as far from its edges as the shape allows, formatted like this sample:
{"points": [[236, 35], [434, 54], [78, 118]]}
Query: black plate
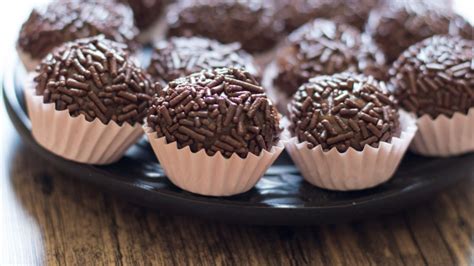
{"points": [[281, 197]]}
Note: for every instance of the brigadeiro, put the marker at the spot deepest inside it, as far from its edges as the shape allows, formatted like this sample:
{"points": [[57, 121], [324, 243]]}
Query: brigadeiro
{"points": [[297, 12], [434, 79], [398, 24], [182, 56], [346, 131], [215, 132], [321, 47], [249, 22], [87, 101], [66, 20]]}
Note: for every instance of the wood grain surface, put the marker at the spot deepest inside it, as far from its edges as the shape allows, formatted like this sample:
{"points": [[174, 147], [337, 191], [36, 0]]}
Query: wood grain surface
{"points": [[49, 218]]}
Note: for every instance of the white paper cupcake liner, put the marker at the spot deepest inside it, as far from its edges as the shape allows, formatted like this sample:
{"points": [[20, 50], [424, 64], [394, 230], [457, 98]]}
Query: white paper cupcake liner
{"points": [[29, 63], [444, 136], [352, 170], [75, 138], [207, 175]]}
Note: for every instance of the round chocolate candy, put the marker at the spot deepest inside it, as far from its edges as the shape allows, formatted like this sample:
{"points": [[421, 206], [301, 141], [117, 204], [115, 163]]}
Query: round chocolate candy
{"points": [[297, 12], [435, 77], [249, 22], [66, 20], [344, 110], [146, 12], [95, 77], [324, 47], [182, 56], [398, 24], [222, 110]]}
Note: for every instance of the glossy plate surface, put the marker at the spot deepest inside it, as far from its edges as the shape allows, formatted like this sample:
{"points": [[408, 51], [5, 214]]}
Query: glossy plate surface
{"points": [[281, 197]]}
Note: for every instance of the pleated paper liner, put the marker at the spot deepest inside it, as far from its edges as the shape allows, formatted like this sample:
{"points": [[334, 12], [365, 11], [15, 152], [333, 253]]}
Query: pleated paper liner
{"points": [[207, 175], [444, 136], [75, 138], [352, 170]]}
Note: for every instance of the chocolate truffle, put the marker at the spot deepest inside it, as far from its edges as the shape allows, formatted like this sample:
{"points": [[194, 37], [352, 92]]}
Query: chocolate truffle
{"points": [[344, 110], [398, 24], [95, 77], [324, 47], [222, 110], [297, 12], [249, 22], [182, 56], [146, 12], [435, 77], [66, 20]]}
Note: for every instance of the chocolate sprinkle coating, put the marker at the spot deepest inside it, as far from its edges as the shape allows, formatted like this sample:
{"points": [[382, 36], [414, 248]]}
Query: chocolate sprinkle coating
{"points": [[146, 12], [95, 77], [324, 47], [249, 22], [297, 12], [67, 20], [344, 110], [222, 110], [182, 56], [435, 77], [400, 23]]}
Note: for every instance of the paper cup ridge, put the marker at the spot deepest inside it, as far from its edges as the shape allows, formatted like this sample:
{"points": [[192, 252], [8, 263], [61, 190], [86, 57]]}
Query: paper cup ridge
{"points": [[352, 170], [207, 175], [75, 138]]}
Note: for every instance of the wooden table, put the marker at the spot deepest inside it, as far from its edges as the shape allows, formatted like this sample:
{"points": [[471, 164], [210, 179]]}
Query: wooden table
{"points": [[47, 217]]}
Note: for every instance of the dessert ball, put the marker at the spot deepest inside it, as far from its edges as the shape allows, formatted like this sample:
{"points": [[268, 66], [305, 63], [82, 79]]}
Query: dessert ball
{"points": [[146, 12], [398, 24], [182, 56], [222, 110], [95, 77], [249, 22], [66, 20], [324, 47], [435, 77], [342, 111], [297, 12]]}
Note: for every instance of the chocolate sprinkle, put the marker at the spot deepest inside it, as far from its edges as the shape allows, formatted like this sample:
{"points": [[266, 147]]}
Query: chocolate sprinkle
{"points": [[93, 87], [435, 77], [400, 23], [324, 47], [210, 110], [249, 22], [66, 20], [179, 57], [343, 110]]}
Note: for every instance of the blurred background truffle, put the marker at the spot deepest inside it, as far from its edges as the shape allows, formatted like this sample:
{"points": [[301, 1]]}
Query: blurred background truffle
{"points": [[397, 24], [249, 22], [182, 56], [66, 20]]}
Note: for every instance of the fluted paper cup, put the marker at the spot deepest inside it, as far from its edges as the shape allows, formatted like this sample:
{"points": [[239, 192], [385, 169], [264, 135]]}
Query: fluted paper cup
{"points": [[207, 175], [352, 170], [445, 136], [75, 138]]}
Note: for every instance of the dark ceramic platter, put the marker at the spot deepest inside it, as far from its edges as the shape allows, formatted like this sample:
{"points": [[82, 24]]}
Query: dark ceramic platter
{"points": [[281, 197]]}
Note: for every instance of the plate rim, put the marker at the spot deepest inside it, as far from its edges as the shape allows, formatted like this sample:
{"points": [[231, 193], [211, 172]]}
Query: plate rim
{"points": [[393, 200]]}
